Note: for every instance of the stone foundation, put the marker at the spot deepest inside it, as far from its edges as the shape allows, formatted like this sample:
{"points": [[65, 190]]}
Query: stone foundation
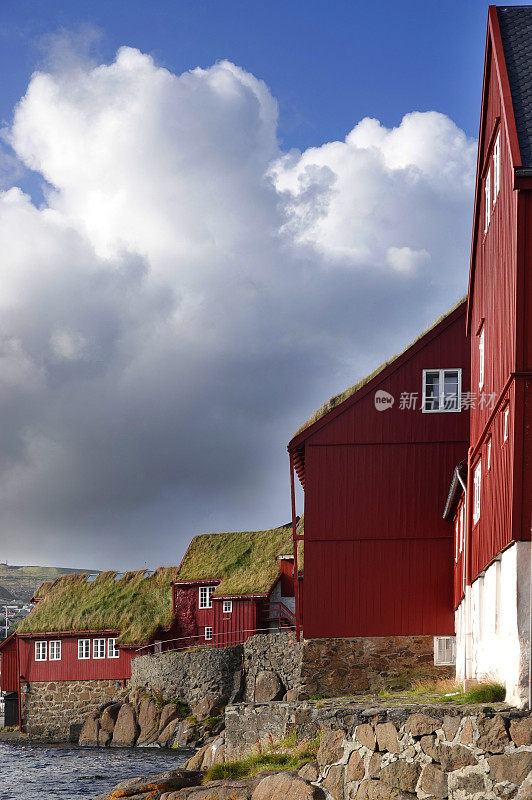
{"points": [[278, 653], [55, 710]]}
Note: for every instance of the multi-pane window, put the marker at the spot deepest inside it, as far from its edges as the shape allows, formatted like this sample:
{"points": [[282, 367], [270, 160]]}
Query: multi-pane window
{"points": [[481, 359], [228, 606], [84, 649], [54, 650], [487, 201], [442, 389], [208, 634], [41, 651], [496, 167], [98, 648], [205, 593], [112, 649], [506, 419], [476, 491]]}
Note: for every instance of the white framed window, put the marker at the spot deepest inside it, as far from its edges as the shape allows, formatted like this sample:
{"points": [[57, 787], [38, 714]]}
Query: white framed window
{"points": [[54, 650], [477, 481], [442, 390], [98, 648], [496, 167], [205, 596], [462, 523], [487, 201], [444, 651], [228, 607], [208, 634], [112, 649], [84, 649], [456, 537], [506, 419], [481, 359], [488, 452], [41, 649]]}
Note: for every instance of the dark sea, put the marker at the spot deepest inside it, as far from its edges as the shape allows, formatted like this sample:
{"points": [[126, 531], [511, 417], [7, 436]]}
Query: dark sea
{"points": [[32, 772]]}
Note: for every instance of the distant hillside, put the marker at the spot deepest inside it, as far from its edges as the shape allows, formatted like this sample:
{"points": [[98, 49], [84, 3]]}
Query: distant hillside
{"points": [[19, 583]]}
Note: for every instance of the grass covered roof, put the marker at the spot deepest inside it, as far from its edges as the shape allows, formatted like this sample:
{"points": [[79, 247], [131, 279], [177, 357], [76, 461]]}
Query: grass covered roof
{"points": [[339, 398], [134, 604], [244, 562]]}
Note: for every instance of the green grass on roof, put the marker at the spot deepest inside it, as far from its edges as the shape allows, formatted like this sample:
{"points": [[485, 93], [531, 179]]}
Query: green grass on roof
{"points": [[245, 562], [288, 548], [339, 398], [134, 605]]}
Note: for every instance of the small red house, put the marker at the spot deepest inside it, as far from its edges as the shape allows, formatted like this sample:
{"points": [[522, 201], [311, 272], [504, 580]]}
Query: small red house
{"points": [[232, 585], [375, 465]]}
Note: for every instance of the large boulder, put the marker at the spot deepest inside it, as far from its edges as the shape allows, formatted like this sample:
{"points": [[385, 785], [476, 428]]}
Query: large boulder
{"points": [[168, 714], [154, 785], [285, 785], [167, 735], [126, 729], [268, 687], [148, 722], [89, 732], [109, 717]]}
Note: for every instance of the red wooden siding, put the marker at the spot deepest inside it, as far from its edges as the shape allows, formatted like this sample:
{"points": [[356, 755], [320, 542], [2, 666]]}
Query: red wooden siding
{"points": [[70, 668], [378, 555], [9, 666], [237, 626]]}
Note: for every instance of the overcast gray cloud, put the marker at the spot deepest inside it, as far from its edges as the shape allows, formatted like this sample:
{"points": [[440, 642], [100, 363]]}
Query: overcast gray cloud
{"points": [[188, 293]]}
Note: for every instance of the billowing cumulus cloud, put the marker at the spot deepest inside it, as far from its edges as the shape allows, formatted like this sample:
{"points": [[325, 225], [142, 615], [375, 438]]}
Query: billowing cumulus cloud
{"points": [[188, 293]]}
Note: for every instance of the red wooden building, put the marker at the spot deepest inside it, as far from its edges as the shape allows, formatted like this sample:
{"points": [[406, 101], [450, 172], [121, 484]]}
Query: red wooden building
{"points": [[375, 464], [493, 524]]}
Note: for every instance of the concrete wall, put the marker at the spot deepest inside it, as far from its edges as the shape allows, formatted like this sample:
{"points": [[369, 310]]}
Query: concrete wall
{"points": [[494, 643]]}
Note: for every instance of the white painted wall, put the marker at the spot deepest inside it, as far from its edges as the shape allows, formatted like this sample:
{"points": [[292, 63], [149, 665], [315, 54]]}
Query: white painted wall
{"points": [[498, 645]]}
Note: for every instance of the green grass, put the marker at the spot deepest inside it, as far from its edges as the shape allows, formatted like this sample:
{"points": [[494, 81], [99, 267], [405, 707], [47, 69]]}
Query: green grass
{"points": [[447, 691], [273, 758], [134, 605]]}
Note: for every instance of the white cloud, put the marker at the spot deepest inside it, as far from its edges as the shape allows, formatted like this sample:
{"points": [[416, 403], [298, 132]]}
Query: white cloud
{"points": [[188, 293]]}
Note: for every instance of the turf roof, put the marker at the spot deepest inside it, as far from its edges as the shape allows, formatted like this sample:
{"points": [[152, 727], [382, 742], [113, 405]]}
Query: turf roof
{"points": [[134, 605], [339, 398], [244, 562]]}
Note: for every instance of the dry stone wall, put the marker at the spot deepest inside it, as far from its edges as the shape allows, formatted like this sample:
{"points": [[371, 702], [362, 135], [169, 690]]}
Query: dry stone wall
{"points": [[277, 653]]}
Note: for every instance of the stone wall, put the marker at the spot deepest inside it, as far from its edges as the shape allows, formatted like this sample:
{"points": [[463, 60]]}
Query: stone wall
{"points": [[55, 710], [192, 676], [336, 667], [275, 652], [460, 753]]}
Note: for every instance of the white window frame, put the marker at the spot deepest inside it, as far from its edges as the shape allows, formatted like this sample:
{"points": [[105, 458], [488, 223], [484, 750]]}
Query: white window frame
{"points": [[496, 167], [488, 459], [41, 650], [98, 649], [477, 490], [487, 200], [462, 523], [208, 633], [481, 358], [54, 650], [228, 607], [456, 536], [205, 596], [506, 423], [112, 649], [441, 397], [444, 651], [84, 649]]}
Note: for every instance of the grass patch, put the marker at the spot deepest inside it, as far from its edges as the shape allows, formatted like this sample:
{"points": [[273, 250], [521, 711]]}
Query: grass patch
{"points": [[448, 691], [490, 692], [272, 759]]}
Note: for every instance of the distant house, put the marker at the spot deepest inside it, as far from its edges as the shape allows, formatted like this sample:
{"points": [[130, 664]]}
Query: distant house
{"points": [[232, 585], [375, 464]]}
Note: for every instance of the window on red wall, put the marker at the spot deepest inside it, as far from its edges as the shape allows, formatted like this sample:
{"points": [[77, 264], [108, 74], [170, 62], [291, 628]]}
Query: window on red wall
{"points": [[477, 481], [205, 596], [496, 167], [487, 200], [506, 423]]}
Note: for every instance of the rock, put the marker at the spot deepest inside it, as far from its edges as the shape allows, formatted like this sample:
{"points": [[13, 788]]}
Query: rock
{"points": [[493, 736], [468, 734], [366, 736], [355, 767], [126, 730], [89, 732], [331, 748], [402, 775], [210, 706], [219, 755], [268, 687], [386, 733], [430, 747], [434, 781], [292, 695], [455, 756], [309, 772], [148, 721], [521, 731], [104, 738], [168, 714], [196, 761], [166, 781], [450, 727], [513, 767], [109, 717], [421, 725], [377, 790], [334, 781], [469, 783], [374, 766], [525, 790], [286, 785], [166, 737]]}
